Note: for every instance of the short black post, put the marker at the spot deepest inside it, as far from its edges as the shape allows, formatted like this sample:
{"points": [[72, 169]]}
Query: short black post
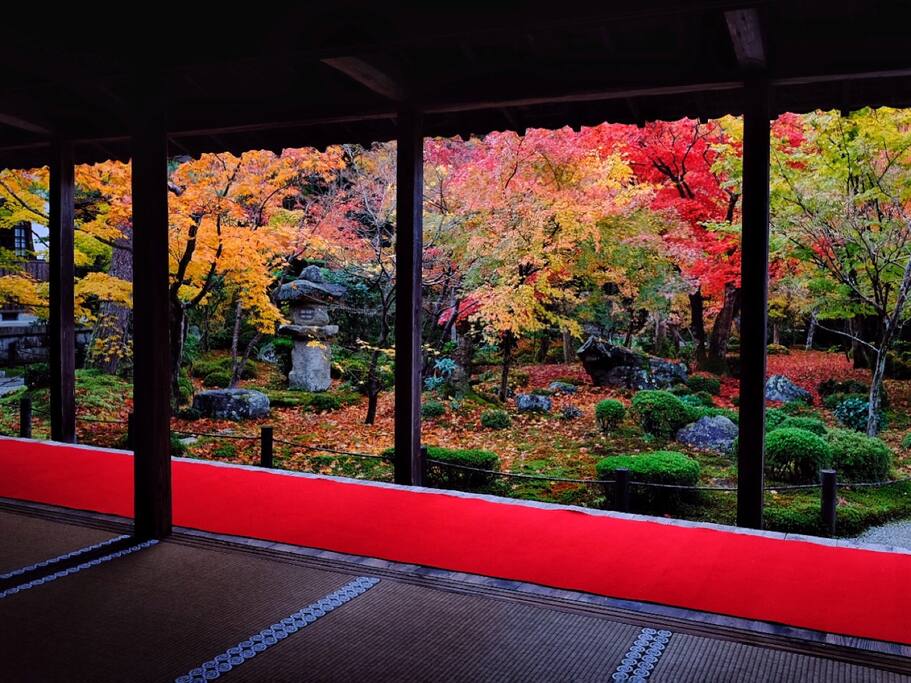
{"points": [[130, 432], [265, 446], [829, 492], [25, 417], [621, 489]]}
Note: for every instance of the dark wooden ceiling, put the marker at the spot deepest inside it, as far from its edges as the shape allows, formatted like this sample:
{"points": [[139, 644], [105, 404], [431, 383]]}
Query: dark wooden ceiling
{"points": [[335, 72]]}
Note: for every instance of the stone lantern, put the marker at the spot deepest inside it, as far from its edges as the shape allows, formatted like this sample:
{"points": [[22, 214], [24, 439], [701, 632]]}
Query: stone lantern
{"points": [[309, 298]]}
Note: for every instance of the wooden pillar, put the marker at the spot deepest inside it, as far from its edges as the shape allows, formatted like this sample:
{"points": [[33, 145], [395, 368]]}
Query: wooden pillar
{"points": [[755, 300], [61, 326], [408, 254], [151, 383]]}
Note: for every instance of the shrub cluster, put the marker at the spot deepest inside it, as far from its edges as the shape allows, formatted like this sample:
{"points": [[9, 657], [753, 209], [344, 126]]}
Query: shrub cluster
{"points": [[657, 467], [711, 385], [609, 414], [859, 457], [495, 418], [810, 424], [432, 409], [842, 386], [777, 350], [217, 379], [795, 455], [774, 417], [852, 413], [454, 477], [660, 413]]}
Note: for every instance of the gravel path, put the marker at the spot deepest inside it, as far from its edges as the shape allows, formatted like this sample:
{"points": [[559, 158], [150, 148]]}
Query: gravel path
{"points": [[894, 533]]}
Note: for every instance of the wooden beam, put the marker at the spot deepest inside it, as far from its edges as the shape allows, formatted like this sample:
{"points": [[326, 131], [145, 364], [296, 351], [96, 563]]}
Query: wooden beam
{"points": [[755, 303], [745, 30], [369, 75], [408, 254], [151, 374], [61, 326]]}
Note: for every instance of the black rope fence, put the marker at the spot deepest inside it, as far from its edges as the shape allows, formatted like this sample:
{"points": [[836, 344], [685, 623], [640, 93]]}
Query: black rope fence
{"points": [[620, 485]]}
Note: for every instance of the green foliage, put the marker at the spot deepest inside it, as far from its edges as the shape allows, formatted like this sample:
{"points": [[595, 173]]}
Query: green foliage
{"points": [[853, 413], [225, 450], [777, 350], [452, 477], [186, 388], [657, 467], [859, 457], [209, 365], [699, 383], [660, 413], [774, 417], [609, 414], [317, 402], [354, 368], [704, 411], [833, 400], [37, 376], [795, 455], [431, 409], [796, 408], [906, 441], [542, 392], [495, 419], [217, 379], [680, 390], [177, 447], [810, 424], [858, 509]]}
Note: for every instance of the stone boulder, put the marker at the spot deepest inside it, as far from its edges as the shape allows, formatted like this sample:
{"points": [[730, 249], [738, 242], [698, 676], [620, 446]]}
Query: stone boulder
{"points": [[617, 366], [780, 388], [533, 403], [562, 388], [231, 404], [709, 433]]}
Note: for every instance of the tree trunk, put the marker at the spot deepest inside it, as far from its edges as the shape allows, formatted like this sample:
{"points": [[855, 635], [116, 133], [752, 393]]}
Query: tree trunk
{"points": [[697, 324], [373, 388], [569, 354], [235, 343], [811, 332], [776, 332], [178, 326], [543, 348], [660, 335], [110, 338], [721, 329], [876, 382], [506, 346]]}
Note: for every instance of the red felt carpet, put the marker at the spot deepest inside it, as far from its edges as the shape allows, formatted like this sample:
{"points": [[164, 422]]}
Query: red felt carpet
{"points": [[849, 591]]}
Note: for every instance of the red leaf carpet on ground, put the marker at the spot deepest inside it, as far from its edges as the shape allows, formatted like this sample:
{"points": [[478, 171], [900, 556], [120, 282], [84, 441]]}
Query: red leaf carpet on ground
{"points": [[849, 591]]}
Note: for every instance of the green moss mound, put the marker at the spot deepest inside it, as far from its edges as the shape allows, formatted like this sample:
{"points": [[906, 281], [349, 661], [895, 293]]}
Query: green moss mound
{"points": [[795, 455]]}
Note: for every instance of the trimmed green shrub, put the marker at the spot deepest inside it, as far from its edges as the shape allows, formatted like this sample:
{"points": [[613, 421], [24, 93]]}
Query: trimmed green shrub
{"points": [[852, 413], [795, 455], [325, 402], [859, 457], [431, 409], [495, 419], [680, 390], [777, 350], [223, 364], [660, 413], [698, 383], [609, 414], [217, 379], [774, 417], [657, 467], [811, 424], [454, 477], [177, 447], [704, 411]]}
